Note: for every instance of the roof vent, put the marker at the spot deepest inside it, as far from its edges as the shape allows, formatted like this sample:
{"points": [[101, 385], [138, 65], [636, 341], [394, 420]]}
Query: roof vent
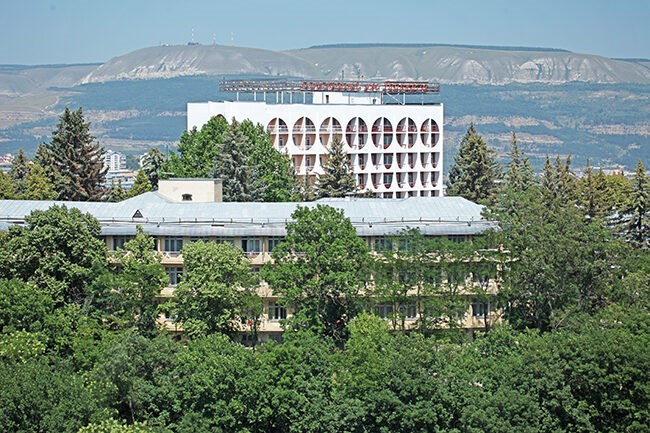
{"points": [[137, 214]]}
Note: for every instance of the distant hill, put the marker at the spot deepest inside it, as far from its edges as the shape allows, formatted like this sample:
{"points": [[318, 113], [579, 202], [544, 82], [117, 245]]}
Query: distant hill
{"points": [[454, 64], [183, 60]]}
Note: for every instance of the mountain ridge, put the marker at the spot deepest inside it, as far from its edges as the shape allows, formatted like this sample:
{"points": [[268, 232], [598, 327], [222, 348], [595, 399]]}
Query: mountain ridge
{"points": [[449, 64]]}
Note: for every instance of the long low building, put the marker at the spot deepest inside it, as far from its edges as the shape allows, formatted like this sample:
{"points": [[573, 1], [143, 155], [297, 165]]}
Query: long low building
{"points": [[179, 213]]}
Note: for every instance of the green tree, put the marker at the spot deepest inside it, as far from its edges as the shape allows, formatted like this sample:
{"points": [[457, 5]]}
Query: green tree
{"points": [[338, 180], [36, 185], [231, 165], [117, 192], [319, 269], [8, 188], [520, 173], [197, 150], [475, 170], [140, 186], [59, 250], [23, 306], [153, 163], [275, 174], [558, 181], [217, 282], [73, 160], [19, 169], [635, 224], [139, 280]]}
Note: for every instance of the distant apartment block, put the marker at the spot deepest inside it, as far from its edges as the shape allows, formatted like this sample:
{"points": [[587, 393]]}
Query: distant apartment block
{"points": [[114, 161]]}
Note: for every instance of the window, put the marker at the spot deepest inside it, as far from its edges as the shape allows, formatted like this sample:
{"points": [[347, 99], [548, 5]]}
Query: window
{"points": [[388, 160], [480, 308], [456, 276], [481, 275], [274, 242], [383, 244], [173, 245], [119, 241], [199, 238], [403, 244], [388, 179], [384, 310], [175, 275], [187, 197], [409, 310], [224, 240], [251, 245], [456, 238], [277, 311]]}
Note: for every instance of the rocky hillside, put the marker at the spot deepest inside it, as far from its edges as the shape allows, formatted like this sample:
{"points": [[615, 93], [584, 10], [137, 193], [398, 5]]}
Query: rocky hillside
{"points": [[442, 63], [184, 60]]}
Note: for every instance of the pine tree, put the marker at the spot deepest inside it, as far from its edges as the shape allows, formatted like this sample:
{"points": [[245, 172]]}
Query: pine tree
{"points": [[231, 165], [36, 185], [338, 180], [73, 159], [475, 170], [19, 170], [520, 172], [117, 192], [152, 165], [636, 217], [7, 187], [140, 186], [558, 180]]}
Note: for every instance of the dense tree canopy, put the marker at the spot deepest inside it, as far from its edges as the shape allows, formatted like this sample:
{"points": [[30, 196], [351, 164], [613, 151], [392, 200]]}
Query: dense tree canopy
{"points": [[241, 154]]}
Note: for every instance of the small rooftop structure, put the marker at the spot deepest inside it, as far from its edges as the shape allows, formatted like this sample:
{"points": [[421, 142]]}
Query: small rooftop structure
{"points": [[191, 189]]}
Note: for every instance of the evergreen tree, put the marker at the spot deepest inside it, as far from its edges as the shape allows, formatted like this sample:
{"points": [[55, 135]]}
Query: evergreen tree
{"points": [[140, 186], [19, 170], [558, 181], [152, 164], [338, 180], [117, 193], [36, 185], [7, 187], [73, 160], [307, 191], [520, 172], [635, 222], [231, 165], [275, 175], [475, 170]]}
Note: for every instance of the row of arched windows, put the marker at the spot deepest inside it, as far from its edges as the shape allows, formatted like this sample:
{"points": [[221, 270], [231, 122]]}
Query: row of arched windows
{"points": [[356, 133]]}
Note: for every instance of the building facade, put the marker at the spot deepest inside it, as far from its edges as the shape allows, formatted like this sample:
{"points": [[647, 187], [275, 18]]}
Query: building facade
{"points": [[395, 147], [257, 228]]}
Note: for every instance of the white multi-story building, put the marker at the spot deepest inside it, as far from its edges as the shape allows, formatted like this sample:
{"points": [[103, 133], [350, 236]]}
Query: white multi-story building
{"points": [[395, 147], [114, 161]]}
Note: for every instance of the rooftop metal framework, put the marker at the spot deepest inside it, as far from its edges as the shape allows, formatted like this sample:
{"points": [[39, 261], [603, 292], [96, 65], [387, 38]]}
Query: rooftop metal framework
{"points": [[384, 87]]}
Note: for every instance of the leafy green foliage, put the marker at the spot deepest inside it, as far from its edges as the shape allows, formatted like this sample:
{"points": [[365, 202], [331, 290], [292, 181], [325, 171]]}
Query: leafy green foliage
{"points": [[217, 282], [139, 280], [73, 160], [319, 269], [152, 164], [58, 250]]}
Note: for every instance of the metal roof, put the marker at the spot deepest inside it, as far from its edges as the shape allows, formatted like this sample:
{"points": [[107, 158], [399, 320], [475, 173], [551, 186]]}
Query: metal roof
{"points": [[162, 217]]}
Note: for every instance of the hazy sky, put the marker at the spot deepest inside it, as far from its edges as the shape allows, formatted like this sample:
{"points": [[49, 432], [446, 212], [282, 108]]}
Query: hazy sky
{"points": [[81, 31]]}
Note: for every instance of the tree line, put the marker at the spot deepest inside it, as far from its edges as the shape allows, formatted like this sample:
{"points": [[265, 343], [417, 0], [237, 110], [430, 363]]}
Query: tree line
{"points": [[70, 166]]}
